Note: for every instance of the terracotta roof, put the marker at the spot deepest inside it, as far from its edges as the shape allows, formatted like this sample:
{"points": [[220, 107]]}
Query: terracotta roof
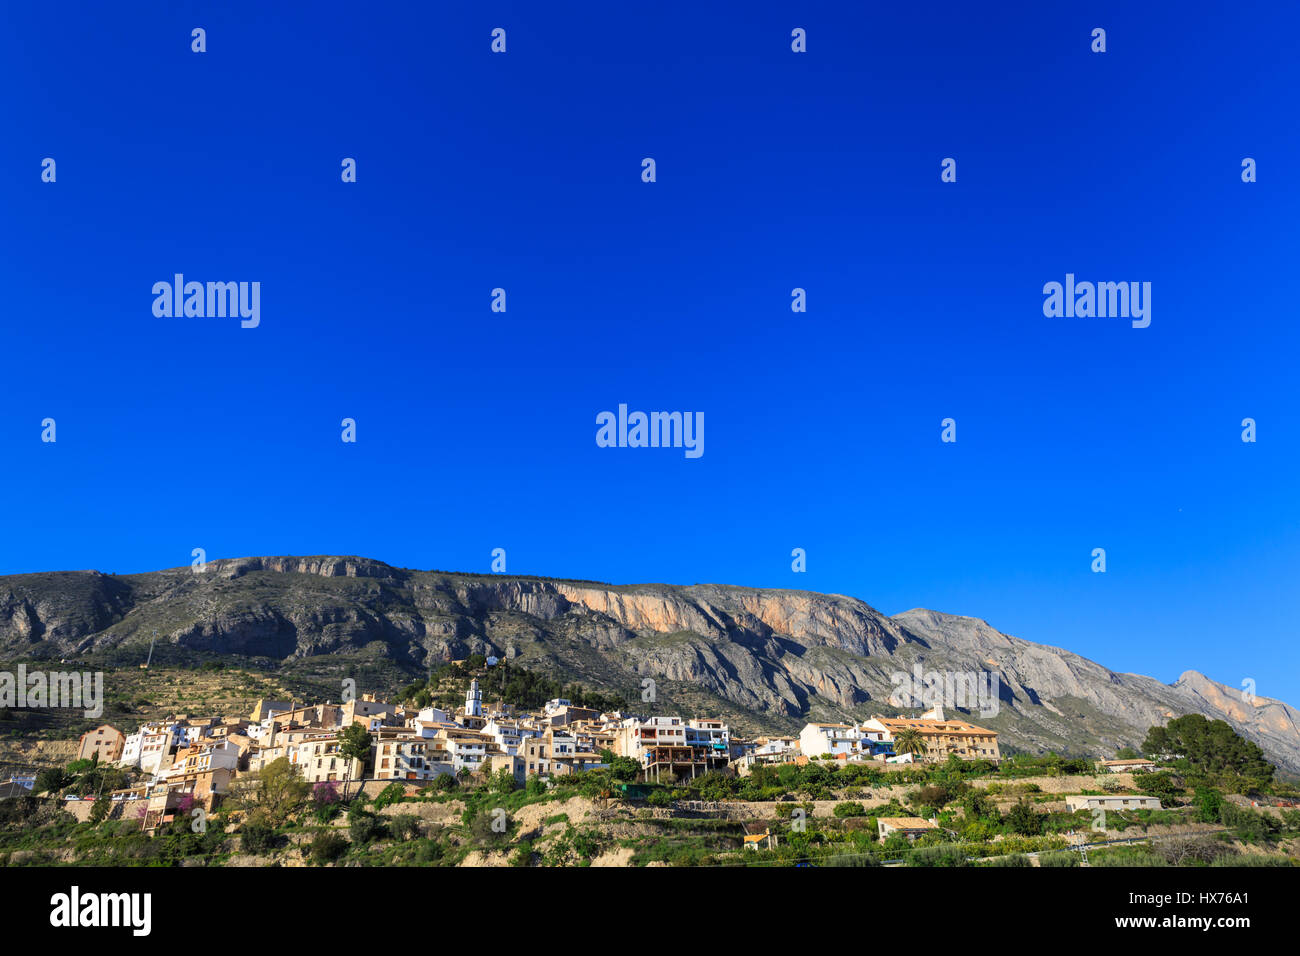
{"points": [[928, 726]]}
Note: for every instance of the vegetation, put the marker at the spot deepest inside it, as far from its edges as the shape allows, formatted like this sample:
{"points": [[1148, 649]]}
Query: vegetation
{"points": [[513, 684], [909, 741], [328, 847], [987, 815], [271, 796], [1210, 749]]}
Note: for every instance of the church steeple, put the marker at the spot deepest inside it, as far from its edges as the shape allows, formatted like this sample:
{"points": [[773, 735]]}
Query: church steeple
{"points": [[473, 700]]}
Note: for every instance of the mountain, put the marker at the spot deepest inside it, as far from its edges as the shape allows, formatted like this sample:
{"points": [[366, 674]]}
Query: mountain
{"points": [[764, 659]]}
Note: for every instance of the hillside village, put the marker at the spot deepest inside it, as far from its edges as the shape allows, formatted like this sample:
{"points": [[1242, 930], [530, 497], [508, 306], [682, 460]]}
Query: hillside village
{"points": [[190, 761], [422, 779], [763, 660]]}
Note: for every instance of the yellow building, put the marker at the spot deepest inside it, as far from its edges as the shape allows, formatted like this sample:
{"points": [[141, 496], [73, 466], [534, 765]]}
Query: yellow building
{"points": [[942, 738], [105, 740]]}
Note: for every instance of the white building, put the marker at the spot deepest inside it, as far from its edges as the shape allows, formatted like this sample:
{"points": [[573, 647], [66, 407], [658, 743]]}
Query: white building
{"points": [[563, 744], [712, 737], [260, 732], [637, 736], [191, 734], [833, 739], [212, 755], [1124, 801], [131, 750], [506, 734], [156, 748], [465, 748], [434, 715], [473, 700], [413, 758], [774, 747]]}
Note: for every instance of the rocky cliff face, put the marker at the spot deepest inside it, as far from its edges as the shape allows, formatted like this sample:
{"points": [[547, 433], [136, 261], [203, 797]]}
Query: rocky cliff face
{"points": [[763, 658]]}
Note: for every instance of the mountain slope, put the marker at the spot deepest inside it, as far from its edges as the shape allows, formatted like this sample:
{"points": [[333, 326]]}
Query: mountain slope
{"points": [[762, 658]]}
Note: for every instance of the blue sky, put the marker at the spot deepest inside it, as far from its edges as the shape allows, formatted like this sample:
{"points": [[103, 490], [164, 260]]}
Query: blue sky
{"points": [[775, 170]]}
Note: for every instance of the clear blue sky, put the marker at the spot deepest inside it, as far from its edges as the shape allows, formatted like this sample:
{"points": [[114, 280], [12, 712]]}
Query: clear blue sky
{"points": [[776, 170]]}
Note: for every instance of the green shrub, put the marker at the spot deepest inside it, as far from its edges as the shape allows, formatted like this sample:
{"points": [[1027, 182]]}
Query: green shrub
{"points": [[257, 837], [1209, 804], [1251, 827], [363, 826], [1024, 820], [523, 855], [99, 810], [979, 831], [328, 847], [404, 826], [393, 793], [931, 795], [428, 851]]}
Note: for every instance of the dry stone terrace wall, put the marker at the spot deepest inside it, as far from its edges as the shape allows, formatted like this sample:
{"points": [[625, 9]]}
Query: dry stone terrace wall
{"points": [[118, 809], [1071, 783], [449, 811]]}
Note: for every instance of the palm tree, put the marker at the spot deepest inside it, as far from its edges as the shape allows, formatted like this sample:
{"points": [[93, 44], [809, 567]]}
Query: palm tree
{"points": [[909, 741]]}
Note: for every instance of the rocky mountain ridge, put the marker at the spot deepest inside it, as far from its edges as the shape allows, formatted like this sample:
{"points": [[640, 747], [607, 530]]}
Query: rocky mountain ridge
{"points": [[765, 658]]}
